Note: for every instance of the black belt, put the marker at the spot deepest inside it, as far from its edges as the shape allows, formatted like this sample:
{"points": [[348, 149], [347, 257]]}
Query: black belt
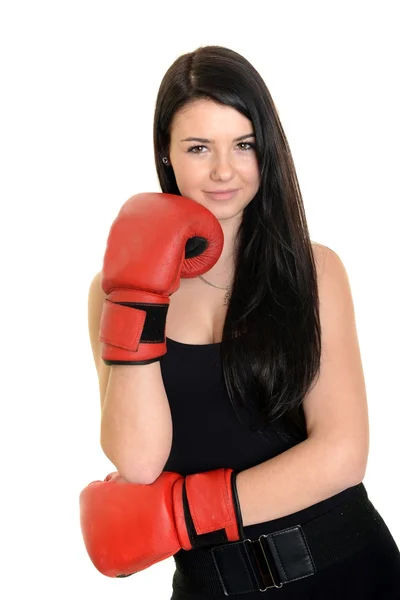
{"points": [[283, 556]]}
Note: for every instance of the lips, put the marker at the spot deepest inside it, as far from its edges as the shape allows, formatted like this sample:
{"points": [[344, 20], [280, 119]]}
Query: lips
{"points": [[222, 191], [227, 195]]}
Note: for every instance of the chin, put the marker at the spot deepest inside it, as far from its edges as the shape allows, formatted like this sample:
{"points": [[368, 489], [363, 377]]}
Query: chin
{"points": [[225, 213]]}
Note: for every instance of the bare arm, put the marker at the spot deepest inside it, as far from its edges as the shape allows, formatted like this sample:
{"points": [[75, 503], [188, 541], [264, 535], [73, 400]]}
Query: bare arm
{"points": [[136, 425], [335, 455], [310, 472]]}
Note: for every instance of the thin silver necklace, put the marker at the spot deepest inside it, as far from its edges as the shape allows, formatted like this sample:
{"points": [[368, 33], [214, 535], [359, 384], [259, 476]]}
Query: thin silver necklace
{"points": [[228, 288]]}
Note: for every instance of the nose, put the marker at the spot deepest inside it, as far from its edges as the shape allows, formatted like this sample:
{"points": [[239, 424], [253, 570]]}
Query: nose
{"points": [[222, 169]]}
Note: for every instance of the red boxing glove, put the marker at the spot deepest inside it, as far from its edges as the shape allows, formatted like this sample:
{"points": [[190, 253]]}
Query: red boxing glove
{"points": [[128, 527], [155, 240]]}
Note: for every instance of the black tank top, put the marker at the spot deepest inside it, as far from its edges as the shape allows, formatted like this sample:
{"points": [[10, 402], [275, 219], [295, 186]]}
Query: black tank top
{"points": [[207, 433]]}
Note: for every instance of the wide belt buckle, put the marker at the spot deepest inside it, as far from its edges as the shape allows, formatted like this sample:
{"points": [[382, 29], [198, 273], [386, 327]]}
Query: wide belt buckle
{"points": [[264, 563], [245, 566], [267, 574]]}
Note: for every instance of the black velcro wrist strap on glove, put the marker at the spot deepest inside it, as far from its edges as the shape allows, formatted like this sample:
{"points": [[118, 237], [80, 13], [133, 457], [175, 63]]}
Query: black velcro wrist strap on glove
{"points": [[154, 325], [213, 537]]}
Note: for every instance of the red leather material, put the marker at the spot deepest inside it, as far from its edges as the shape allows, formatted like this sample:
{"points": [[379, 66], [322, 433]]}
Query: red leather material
{"points": [[125, 323], [121, 326], [126, 526], [146, 256], [211, 502], [146, 243]]}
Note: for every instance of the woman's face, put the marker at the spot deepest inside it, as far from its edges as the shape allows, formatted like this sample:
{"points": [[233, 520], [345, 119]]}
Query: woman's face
{"points": [[217, 160]]}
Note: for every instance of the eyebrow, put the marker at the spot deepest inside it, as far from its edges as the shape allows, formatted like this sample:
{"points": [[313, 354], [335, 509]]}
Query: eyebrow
{"points": [[205, 141]]}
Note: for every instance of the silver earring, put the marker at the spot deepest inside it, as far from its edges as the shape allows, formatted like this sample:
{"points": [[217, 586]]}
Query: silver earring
{"points": [[165, 160]]}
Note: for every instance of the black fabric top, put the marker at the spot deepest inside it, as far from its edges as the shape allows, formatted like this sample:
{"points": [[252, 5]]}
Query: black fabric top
{"points": [[207, 433]]}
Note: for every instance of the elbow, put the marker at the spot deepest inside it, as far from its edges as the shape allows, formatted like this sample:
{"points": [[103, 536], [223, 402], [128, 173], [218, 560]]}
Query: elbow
{"points": [[131, 472], [357, 473], [357, 458], [351, 476], [353, 466], [134, 476], [345, 461], [145, 472]]}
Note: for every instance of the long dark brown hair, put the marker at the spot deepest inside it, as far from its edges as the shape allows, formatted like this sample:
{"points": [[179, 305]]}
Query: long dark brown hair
{"points": [[271, 343]]}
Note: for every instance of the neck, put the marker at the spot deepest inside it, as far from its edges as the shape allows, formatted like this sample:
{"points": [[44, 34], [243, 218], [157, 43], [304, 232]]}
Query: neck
{"points": [[222, 272]]}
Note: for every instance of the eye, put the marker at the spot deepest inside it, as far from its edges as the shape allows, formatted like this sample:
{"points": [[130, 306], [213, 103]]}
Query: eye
{"points": [[195, 148], [250, 146]]}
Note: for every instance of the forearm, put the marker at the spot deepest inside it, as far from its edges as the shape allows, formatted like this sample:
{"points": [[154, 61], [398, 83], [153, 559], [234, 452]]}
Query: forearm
{"points": [[136, 425], [305, 474]]}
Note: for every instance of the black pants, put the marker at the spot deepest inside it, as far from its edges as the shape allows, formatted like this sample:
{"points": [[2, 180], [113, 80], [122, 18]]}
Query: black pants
{"points": [[373, 573]]}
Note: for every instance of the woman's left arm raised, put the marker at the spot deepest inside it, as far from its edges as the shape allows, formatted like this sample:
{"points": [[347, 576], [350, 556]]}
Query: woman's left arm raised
{"points": [[334, 456]]}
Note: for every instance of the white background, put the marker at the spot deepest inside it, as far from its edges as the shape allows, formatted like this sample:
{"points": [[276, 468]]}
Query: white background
{"points": [[78, 88]]}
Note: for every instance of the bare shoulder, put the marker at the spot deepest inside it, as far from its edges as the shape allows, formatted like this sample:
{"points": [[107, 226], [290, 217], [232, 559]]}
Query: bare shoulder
{"points": [[95, 284], [334, 289], [319, 251], [330, 267]]}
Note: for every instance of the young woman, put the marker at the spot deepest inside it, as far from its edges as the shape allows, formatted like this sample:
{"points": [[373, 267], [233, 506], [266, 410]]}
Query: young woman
{"points": [[232, 391]]}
